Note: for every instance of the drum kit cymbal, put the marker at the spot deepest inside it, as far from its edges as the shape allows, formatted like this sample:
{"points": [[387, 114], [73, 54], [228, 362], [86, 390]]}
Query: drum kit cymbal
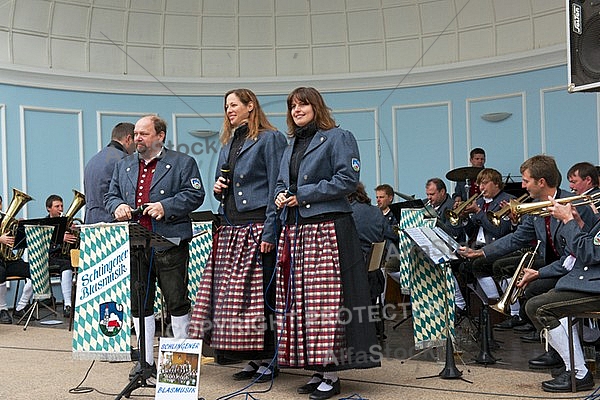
{"points": [[463, 174]]}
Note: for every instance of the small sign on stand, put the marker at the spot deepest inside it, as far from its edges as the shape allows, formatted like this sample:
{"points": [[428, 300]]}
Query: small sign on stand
{"points": [[178, 369]]}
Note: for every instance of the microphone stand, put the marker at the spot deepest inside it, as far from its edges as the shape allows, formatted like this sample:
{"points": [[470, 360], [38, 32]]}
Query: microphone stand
{"points": [[142, 240]]}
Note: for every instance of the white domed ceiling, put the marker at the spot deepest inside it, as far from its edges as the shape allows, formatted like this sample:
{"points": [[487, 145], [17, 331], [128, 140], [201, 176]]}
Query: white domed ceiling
{"points": [[269, 40]]}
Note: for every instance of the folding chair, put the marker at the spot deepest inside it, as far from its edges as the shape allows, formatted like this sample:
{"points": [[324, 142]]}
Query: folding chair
{"points": [[374, 263]]}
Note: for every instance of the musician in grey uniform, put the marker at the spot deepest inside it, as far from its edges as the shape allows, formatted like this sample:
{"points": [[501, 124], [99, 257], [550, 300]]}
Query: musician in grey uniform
{"points": [[576, 291]]}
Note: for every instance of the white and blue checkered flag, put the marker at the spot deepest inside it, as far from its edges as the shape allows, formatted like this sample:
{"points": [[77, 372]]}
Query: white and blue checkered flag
{"points": [[38, 247], [101, 328]]}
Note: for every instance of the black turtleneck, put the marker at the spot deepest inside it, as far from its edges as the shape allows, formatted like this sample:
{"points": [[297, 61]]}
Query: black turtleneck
{"points": [[303, 137]]}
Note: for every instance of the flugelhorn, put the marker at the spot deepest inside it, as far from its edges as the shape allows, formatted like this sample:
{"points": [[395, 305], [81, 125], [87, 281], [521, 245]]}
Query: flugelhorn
{"points": [[539, 208], [512, 292], [495, 217], [454, 215]]}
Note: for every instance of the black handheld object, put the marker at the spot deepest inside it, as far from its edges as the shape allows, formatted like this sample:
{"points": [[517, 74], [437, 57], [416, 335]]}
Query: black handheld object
{"points": [[225, 174], [138, 211], [291, 191]]}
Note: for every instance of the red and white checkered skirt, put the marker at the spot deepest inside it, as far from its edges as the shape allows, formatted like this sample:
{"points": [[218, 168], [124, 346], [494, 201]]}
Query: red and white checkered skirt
{"points": [[229, 309], [309, 289]]}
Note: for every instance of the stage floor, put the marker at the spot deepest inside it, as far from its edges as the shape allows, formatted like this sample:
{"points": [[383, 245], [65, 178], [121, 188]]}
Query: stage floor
{"points": [[37, 363]]}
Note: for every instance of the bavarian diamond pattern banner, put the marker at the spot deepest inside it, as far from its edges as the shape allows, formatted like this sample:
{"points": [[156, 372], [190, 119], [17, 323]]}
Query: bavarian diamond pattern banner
{"points": [[200, 247], [432, 301], [409, 218], [38, 246], [101, 328]]}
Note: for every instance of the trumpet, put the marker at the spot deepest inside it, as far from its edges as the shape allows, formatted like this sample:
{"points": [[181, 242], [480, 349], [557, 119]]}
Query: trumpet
{"points": [[495, 217], [539, 208], [512, 292], [454, 215]]}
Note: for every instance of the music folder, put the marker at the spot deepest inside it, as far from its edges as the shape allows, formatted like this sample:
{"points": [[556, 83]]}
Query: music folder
{"points": [[437, 245]]}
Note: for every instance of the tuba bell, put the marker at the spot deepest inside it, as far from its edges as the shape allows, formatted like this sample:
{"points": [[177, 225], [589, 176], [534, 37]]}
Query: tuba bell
{"points": [[78, 202], [512, 292], [9, 224]]}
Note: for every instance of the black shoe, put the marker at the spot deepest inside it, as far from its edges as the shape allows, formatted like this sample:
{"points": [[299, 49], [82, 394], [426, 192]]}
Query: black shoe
{"points": [[562, 383], [310, 387], [322, 395], [5, 317], [244, 375], [67, 312], [531, 337], [524, 328], [137, 369], [260, 378], [509, 323], [555, 372], [549, 359], [19, 313]]}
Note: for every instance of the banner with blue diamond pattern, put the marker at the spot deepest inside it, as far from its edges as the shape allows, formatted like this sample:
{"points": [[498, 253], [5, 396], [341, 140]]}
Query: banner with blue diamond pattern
{"points": [[38, 247], [432, 301], [101, 327], [409, 218]]}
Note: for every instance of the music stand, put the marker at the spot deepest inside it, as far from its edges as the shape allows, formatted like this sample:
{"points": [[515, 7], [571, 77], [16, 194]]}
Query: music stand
{"points": [[439, 249], [396, 208], [141, 240]]}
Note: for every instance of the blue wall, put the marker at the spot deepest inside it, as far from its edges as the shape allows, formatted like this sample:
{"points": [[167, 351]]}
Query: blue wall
{"points": [[406, 135]]}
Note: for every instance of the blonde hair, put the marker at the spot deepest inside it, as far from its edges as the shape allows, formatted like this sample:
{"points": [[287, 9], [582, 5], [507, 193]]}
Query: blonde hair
{"points": [[257, 120]]}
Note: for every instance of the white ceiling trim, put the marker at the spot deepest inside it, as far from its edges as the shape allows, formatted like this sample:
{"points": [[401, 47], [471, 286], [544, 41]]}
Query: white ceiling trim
{"points": [[477, 69]]}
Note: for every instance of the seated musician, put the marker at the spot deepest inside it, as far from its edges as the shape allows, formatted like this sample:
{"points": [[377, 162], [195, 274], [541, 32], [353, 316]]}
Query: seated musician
{"points": [[8, 268], [482, 230], [575, 292], [439, 200], [372, 227], [58, 262], [540, 177], [463, 189]]}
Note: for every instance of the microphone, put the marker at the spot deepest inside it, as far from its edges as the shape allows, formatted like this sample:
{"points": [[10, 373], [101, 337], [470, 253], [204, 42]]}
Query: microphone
{"points": [[291, 191], [138, 211], [225, 172]]}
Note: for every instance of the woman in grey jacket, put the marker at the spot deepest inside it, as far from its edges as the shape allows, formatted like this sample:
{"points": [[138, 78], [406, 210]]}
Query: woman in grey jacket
{"points": [[236, 298], [322, 286]]}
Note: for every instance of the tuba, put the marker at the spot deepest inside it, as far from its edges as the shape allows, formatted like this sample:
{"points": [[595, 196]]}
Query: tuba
{"points": [[78, 202], [9, 224], [454, 215], [512, 292]]}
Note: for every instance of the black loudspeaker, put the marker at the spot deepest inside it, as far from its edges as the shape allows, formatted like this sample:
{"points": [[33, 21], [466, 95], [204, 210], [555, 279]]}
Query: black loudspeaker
{"points": [[583, 44]]}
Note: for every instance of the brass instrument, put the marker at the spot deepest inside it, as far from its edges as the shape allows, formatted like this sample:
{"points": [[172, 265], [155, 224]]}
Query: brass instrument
{"points": [[495, 217], [78, 202], [9, 224], [512, 292], [454, 215], [539, 207]]}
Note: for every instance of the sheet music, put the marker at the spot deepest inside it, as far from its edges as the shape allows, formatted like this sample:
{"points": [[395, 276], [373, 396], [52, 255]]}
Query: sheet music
{"points": [[431, 244], [450, 242]]}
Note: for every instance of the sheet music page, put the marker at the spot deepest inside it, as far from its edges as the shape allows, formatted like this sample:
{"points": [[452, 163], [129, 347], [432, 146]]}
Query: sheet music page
{"points": [[450, 242], [424, 242], [440, 244]]}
